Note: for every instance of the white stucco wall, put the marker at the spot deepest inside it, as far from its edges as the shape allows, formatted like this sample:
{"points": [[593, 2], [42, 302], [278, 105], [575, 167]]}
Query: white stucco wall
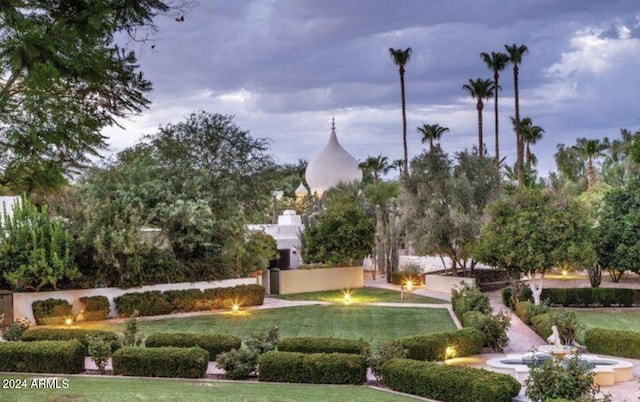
{"points": [[444, 284], [22, 301]]}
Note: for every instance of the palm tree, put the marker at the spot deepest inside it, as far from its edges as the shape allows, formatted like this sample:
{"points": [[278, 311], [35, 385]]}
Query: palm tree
{"points": [[496, 61], [590, 150], [398, 164], [479, 89], [515, 57], [531, 134], [376, 166], [431, 132], [401, 58]]}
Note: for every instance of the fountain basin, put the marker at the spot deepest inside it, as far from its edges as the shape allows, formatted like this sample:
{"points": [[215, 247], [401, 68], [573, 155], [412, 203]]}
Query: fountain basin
{"points": [[608, 371]]}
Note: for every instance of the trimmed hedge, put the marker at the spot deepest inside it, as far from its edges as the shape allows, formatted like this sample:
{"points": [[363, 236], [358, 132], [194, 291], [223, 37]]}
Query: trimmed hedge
{"points": [[67, 334], [96, 308], [542, 324], [157, 303], [51, 311], [400, 278], [323, 345], [147, 303], [432, 347], [315, 368], [448, 383], [613, 342], [526, 310], [212, 343], [525, 295], [59, 357], [160, 362], [589, 297]]}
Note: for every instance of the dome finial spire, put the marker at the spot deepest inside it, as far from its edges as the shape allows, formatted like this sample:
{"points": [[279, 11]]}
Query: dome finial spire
{"points": [[333, 122]]}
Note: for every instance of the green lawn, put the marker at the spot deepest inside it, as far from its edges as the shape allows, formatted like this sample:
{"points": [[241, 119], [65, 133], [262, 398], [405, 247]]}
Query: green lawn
{"points": [[152, 389], [618, 319], [372, 324], [364, 295]]}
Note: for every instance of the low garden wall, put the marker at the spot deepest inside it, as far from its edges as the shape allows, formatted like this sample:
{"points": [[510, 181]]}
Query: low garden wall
{"points": [[22, 301], [315, 280], [444, 284]]}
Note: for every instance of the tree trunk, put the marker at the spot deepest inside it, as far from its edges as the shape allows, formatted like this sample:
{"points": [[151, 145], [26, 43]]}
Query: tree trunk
{"points": [[591, 176], [519, 143], [535, 283], [480, 106], [404, 123], [495, 110]]}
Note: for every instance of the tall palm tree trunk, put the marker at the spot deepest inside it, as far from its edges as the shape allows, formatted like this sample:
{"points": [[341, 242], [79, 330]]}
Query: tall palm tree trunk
{"points": [[495, 111], [519, 142], [591, 175], [480, 106], [404, 123]]}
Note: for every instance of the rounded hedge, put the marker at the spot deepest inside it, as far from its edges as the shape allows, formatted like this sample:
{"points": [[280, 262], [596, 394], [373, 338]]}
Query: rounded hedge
{"points": [[51, 311], [315, 368], [60, 357], [323, 345], [212, 343], [160, 362], [613, 342], [433, 347], [448, 383], [96, 308]]}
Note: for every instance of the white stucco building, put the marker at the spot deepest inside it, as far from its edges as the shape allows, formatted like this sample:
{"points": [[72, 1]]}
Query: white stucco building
{"points": [[286, 233]]}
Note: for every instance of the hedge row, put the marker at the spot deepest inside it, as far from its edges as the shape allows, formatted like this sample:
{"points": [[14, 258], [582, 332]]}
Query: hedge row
{"points": [[158, 303], [526, 294], [96, 308], [51, 311], [589, 297], [212, 343], [432, 347], [401, 278], [323, 345], [315, 368], [60, 357], [542, 324], [613, 342], [67, 334], [160, 362], [448, 383]]}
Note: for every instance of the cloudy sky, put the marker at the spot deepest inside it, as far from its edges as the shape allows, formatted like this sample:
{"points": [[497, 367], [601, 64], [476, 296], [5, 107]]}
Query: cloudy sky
{"points": [[285, 67]]}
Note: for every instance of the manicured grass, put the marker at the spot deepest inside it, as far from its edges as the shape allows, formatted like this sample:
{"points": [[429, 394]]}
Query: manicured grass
{"points": [[372, 324], [364, 295], [152, 389], [611, 319]]}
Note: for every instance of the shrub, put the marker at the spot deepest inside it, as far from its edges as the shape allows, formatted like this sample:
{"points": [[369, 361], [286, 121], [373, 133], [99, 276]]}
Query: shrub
{"points": [[60, 357], [316, 368], [51, 311], [67, 334], [571, 379], [432, 347], [244, 295], [132, 335], [542, 324], [527, 310], [99, 350], [323, 345], [493, 327], [187, 300], [613, 342], [517, 292], [386, 351], [161, 362], [212, 343], [238, 364], [262, 342], [567, 324], [400, 278], [448, 383], [146, 303], [589, 297], [15, 331], [96, 308], [465, 297]]}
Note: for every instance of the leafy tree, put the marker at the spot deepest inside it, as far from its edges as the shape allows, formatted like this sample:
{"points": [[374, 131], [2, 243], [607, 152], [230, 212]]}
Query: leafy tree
{"points": [[619, 166], [401, 58], [36, 250], [616, 235], [569, 163], [515, 53], [532, 230], [444, 203], [431, 132], [256, 252], [342, 234], [64, 79], [479, 89], [496, 61]]}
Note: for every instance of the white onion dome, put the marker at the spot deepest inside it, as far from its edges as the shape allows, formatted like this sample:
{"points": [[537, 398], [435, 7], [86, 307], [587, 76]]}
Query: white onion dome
{"points": [[332, 166], [301, 191]]}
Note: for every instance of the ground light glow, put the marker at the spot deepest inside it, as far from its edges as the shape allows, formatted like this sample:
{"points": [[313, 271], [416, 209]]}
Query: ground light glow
{"points": [[347, 296], [408, 285], [450, 352], [68, 321]]}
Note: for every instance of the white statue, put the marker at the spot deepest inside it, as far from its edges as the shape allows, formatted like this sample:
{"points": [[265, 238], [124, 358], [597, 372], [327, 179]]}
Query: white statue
{"points": [[554, 339]]}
